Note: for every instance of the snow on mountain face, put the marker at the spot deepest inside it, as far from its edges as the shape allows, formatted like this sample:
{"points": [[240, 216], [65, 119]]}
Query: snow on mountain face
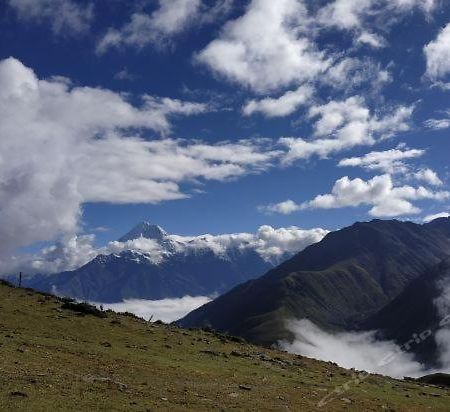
{"points": [[155, 245], [145, 230], [148, 263]]}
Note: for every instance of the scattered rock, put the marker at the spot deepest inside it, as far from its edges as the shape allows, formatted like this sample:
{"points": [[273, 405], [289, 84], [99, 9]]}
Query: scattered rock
{"points": [[19, 394], [237, 353], [106, 344], [211, 352], [245, 387]]}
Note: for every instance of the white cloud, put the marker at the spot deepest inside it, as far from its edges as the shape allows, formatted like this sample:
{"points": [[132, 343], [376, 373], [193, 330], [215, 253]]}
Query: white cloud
{"points": [[170, 19], [437, 54], [285, 208], [342, 125], [272, 242], [345, 14], [430, 218], [388, 161], [63, 16], [282, 106], [385, 199], [71, 252], [379, 192], [61, 146], [428, 176], [269, 242], [359, 350], [427, 6], [350, 72], [439, 124], [371, 39], [252, 49], [167, 310], [357, 15]]}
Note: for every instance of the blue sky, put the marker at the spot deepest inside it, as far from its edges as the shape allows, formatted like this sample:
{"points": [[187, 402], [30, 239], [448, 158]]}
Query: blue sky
{"points": [[252, 109]]}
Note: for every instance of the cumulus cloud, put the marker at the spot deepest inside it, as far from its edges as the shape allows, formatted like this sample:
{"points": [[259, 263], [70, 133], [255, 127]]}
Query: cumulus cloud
{"points": [[286, 207], [269, 35], [272, 242], [251, 49], [167, 310], [393, 161], [359, 350], [341, 125], [388, 161], [269, 242], [64, 16], [62, 146], [428, 176], [68, 253], [430, 218], [282, 106], [437, 54], [385, 199]]}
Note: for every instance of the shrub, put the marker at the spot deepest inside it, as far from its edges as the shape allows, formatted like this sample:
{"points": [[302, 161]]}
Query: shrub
{"points": [[83, 308]]}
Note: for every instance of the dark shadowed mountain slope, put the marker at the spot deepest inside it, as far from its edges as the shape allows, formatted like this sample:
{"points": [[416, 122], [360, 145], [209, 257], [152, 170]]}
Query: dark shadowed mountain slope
{"points": [[348, 276], [172, 268], [414, 312]]}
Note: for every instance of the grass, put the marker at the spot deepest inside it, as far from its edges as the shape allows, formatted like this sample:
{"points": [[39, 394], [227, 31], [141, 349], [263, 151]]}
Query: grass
{"points": [[54, 359]]}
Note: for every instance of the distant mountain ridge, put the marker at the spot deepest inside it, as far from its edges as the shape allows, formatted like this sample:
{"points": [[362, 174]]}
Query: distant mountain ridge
{"points": [[152, 264], [337, 283]]}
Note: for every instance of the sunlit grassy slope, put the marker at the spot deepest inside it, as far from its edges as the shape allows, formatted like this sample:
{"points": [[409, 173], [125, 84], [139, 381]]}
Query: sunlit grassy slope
{"points": [[55, 359]]}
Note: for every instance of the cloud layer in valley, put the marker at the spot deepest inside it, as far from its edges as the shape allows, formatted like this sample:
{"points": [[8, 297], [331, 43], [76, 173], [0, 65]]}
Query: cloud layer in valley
{"points": [[359, 350], [363, 351], [167, 310]]}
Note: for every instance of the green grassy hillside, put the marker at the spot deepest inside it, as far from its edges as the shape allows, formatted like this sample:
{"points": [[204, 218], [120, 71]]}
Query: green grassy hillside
{"points": [[55, 359]]}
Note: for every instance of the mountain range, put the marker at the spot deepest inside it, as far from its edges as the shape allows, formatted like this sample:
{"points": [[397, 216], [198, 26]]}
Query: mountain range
{"points": [[369, 275], [383, 275], [151, 264]]}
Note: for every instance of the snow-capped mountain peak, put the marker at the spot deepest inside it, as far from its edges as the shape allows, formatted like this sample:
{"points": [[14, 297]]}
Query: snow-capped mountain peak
{"points": [[146, 230]]}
